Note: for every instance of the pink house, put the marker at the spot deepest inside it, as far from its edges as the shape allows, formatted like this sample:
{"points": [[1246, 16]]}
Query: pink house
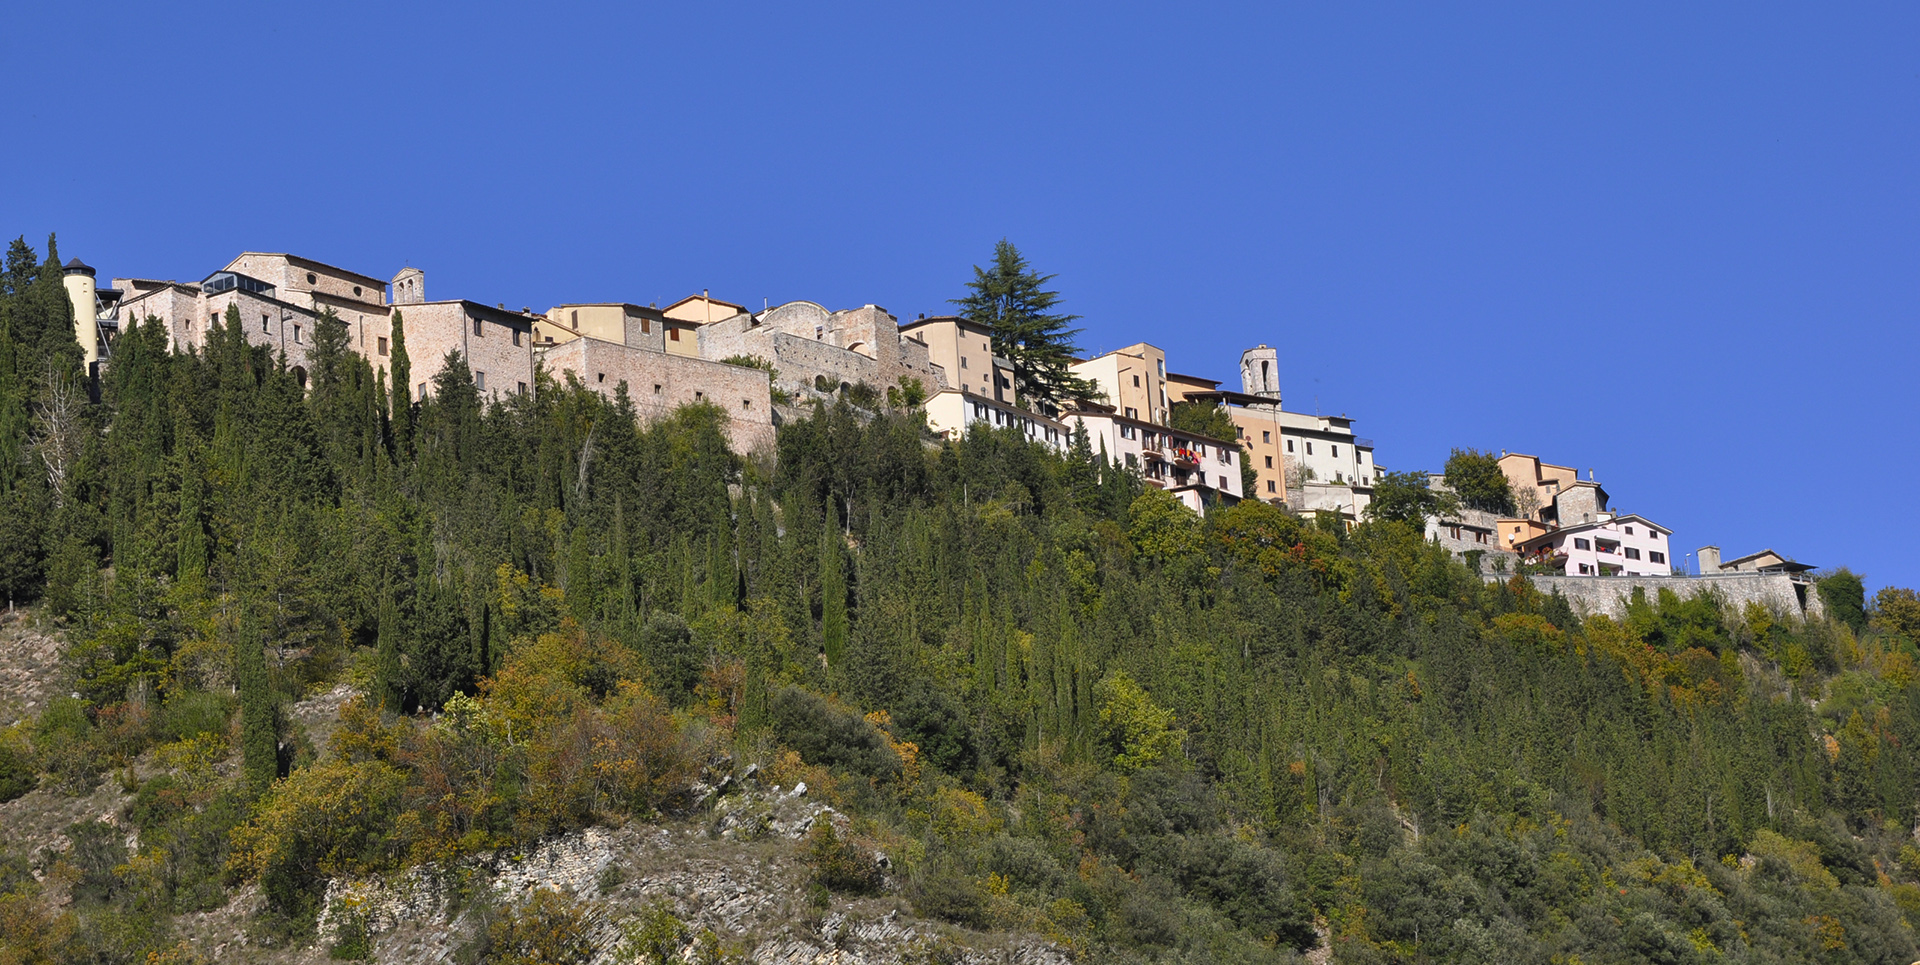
{"points": [[1629, 545]]}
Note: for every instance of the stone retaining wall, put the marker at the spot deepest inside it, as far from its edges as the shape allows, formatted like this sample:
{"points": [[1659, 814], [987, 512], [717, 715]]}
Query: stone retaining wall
{"points": [[1609, 595]]}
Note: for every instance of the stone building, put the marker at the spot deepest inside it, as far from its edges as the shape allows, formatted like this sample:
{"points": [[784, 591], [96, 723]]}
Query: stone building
{"points": [[1765, 561], [658, 382], [816, 352], [496, 343]]}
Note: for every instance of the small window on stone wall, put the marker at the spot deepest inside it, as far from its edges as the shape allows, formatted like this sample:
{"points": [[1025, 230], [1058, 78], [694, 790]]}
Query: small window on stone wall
{"points": [[310, 278], [600, 377], [383, 346], [296, 333], [356, 289], [746, 403], [674, 334], [656, 388], [476, 329], [516, 336]]}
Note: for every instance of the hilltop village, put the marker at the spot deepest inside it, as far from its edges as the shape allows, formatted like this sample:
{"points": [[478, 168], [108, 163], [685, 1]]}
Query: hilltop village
{"points": [[763, 367]]}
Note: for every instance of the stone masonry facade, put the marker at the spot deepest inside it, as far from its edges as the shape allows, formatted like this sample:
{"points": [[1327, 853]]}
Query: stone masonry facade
{"points": [[659, 383]]}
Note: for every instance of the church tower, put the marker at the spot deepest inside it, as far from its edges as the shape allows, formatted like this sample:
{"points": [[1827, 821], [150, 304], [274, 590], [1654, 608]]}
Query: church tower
{"points": [[409, 287], [1260, 372]]}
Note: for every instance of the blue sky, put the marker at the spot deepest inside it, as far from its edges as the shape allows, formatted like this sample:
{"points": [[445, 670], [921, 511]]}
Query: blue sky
{"points": [[1676, 243]]}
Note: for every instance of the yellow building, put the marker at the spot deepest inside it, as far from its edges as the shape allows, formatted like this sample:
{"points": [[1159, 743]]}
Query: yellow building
{"points": [[964, 351]]}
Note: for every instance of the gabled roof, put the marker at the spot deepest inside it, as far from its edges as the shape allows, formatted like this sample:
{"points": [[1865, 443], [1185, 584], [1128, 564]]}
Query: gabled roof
{"points": [[309, 263], [706, 298], [963, 322], [1785, 563]]}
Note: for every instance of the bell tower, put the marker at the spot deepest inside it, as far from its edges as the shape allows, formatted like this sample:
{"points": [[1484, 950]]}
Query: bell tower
{"points": [[409, 287], [1260, 372]]}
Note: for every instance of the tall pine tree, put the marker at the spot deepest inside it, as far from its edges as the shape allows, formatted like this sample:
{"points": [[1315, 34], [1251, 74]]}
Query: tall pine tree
{"points": [[1009, 300]]}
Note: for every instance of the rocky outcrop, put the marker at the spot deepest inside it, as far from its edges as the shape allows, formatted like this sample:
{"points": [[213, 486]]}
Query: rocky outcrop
{"points": [[734, 874]]}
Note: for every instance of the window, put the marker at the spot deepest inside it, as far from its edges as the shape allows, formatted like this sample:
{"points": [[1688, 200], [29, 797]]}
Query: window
{"points": [[673, 333], [1632, 554], [311, 279], [699, 397], [476, 329], [1126, 432], [1136, 381], [656, 388], [646, 326], [1479, 537], [1336, 452], [423, 391], [1629, 531], [1289, 445], [480, 381], [1655, 556], [263, 323], [1269, 462], [1133, 413], [963, 361], [1581, 544], [356, 289], [1266, 436], [1309, 448], [1223, 482], [1586, 570], [1453, 531], [746, 403], [600, 377], [383, 345], [522, 388], [516, 336], [1270, 485], [1162, 364], [296, 333], [575, 319]]}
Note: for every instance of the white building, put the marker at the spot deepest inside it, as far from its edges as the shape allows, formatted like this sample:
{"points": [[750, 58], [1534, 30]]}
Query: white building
{"points": [[1630, 545], [951, 411], [1198, 470]]}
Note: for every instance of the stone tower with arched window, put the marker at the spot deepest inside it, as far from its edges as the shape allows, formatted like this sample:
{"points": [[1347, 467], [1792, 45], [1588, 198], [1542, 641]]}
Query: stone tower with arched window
{"points": [[410, 287], [1260, 372]]}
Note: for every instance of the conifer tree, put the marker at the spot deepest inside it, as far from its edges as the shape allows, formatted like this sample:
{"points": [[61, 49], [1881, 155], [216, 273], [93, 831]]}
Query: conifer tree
{"points": [[389, 682], [400, 383], [833, 591], [259, 733], [191, 537], [1009, 300]]}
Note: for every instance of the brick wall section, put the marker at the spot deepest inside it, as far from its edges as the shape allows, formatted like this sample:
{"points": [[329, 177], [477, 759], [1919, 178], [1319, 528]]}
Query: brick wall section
{"points": [[1609, 595], [659, 383]]}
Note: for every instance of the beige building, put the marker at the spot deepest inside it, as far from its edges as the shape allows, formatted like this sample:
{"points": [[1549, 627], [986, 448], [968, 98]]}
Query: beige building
{"points": [[1765, 561], [1535, 484], [1132, 379], [621, 323], [964, 352]]}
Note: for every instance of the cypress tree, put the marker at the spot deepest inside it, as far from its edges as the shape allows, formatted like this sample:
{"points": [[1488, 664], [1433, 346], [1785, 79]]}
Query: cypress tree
{"points": [[833, 592], [401, 385], [389, 683], [191, 536], [259, 737]]}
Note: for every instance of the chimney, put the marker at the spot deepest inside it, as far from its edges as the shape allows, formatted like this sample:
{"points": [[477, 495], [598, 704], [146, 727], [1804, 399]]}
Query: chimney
{"points": [[1709, 560]]}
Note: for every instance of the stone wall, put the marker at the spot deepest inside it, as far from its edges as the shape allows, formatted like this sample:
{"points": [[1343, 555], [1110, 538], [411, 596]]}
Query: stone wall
{"points": [[1609, 595], [805, 342], [659, 383]]}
